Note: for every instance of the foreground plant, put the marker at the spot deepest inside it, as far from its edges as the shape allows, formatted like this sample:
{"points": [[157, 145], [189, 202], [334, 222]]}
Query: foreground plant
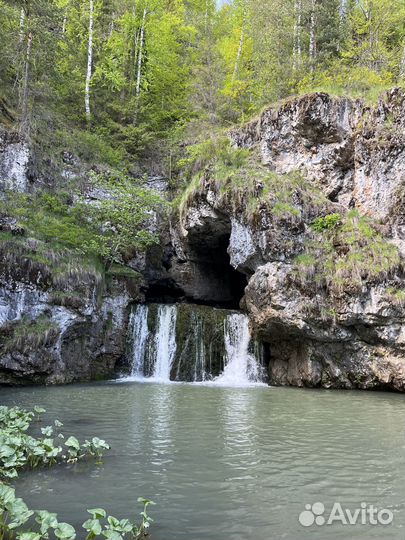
{"points": [[19, 450], [15, 522]]}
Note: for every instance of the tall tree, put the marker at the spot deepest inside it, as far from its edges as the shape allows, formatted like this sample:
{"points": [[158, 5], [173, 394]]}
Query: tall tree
{"points": [[89, 60]]}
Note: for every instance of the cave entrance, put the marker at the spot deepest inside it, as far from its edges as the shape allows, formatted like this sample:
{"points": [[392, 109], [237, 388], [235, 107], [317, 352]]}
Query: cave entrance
{"points": [[216, 282], [224, 284], [200, 272]]}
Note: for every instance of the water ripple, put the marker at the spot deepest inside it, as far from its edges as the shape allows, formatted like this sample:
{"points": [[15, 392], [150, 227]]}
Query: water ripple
{"points": [[226, 463]]}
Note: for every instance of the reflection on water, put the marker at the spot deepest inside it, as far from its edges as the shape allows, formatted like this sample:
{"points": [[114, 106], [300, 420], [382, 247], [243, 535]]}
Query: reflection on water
{"points": [[225, 463]]}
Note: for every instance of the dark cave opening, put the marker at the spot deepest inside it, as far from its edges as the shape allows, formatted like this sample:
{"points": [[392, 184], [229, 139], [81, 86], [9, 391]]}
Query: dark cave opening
{"points": [[229, 284], [164, 292], [205, 274]]}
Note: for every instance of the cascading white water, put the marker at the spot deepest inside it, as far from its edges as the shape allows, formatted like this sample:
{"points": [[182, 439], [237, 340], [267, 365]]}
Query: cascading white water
{"points": [[200, 372], [152, 350], [241, 366], [186, 344], [165, 342], [140, 332]]}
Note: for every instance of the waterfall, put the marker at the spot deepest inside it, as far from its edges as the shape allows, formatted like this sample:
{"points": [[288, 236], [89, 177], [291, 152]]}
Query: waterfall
{"points": [[165, 342], [241, 365], [192, 343], [152, 351], [138, 323], [200, 368]]}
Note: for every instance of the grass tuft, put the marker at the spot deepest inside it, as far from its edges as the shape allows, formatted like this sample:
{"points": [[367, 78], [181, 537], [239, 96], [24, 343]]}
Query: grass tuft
{"points": [[347, 256], [27, 335], [244, 184]]}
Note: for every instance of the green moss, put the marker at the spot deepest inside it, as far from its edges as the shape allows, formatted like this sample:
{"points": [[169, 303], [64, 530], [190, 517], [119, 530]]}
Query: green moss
{"points": [[91, 146], [306, 260], [118, 270], [199, 335], [327, 223], [50, 267], [28, 334], [395, 295], [347, 256], [247, 186], [282, 209]]}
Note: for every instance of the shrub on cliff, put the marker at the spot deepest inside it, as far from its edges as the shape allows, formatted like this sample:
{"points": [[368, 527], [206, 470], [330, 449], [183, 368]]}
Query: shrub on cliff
{"points": [[246, 185], [346, 254], [26, 334], [116, 226]]}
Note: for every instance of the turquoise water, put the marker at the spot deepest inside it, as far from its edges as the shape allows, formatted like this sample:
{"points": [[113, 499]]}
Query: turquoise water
{"points": [[225, 463]]}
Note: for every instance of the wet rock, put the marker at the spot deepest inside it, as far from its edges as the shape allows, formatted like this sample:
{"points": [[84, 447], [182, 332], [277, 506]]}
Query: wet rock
{"points": [[88, 331]]}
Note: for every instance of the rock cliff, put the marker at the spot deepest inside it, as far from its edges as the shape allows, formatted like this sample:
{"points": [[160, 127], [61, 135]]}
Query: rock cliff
{"points": [[302, 224], [320, 238], [62, 319], [59, 324]]}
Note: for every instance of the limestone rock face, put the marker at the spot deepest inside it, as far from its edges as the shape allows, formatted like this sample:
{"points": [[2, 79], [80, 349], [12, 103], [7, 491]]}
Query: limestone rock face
{"points": [[50, 332], [14, 162], [49, 338], [317, 334], [355, 155], [62, 339]]}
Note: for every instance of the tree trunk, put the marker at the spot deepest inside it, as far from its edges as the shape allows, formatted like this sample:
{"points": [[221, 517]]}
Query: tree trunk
{"points": [[139, 67], [239, 55], [343, 9], [134, 51], [64, 23], [22, 24], [134, 63], [141, 45], [112, 24], [26, 82], [312, 36], [89, 61], [297, 34]]}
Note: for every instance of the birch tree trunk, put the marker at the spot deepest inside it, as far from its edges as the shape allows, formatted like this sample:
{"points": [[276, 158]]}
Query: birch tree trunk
{"points": [[89, 61], [239, 55], [140, 54], [112, 24], [297, 34], [312, 35], [26, 82], [22, 24], [64, 24], [141, 43], [134, 61], [343, 9]]}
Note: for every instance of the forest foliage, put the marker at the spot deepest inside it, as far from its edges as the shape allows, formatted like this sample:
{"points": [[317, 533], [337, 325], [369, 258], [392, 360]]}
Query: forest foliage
{"points": [[119, 83], [134, 73]]}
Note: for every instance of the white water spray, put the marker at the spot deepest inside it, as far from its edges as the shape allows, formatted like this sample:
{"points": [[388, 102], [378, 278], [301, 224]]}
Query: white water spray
{"points": [[140, 333], [155, 352], [165, 342], [241, 366]]}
